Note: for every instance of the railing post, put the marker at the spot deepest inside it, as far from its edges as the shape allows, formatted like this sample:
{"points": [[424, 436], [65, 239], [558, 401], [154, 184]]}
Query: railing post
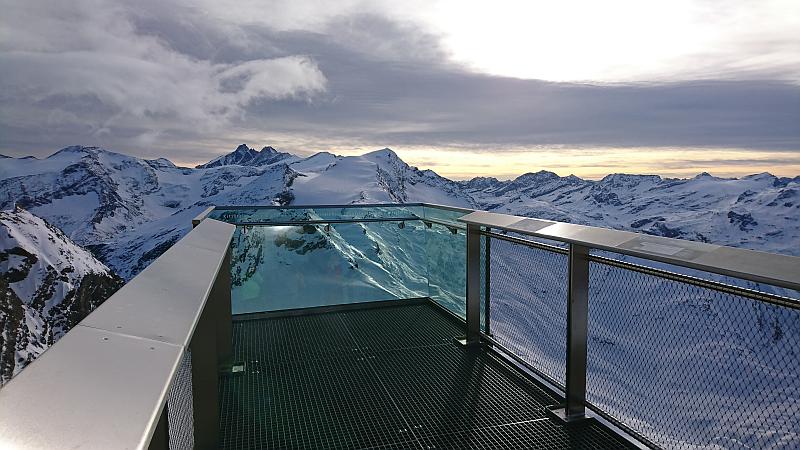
{"points": [[160, 439], [487, 265], [473, 285], [221, 297], [577, 333]]}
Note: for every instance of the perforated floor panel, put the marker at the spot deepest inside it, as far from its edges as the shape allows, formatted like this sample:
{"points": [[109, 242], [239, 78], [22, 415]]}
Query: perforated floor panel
{"points": [[387, 377]]}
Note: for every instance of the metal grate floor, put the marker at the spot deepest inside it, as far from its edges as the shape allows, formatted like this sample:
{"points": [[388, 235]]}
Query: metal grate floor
{"points": [[387, 377]]}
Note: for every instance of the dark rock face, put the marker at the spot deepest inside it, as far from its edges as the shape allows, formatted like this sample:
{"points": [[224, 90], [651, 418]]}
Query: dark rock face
{"points": [[744, 221], [246, 156], [47, 285]]}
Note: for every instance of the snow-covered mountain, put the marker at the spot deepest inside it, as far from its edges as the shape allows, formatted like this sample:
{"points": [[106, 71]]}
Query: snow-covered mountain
{"points": [[47, 285], [246, 156], [759, 211], [128, 210]]}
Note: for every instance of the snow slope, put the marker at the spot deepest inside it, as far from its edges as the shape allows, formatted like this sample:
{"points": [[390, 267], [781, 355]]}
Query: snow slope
{"points": [[47, 285], [129, 210]]}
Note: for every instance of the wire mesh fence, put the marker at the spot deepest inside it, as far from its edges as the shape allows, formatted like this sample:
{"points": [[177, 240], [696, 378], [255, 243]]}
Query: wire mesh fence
{"points": [[180, 411], [690, 366], [685, 363], [528, 305]]}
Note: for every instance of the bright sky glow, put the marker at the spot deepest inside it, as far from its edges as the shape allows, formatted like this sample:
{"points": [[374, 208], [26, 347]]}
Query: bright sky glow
{"points": [[464, 87], [621, 40]]}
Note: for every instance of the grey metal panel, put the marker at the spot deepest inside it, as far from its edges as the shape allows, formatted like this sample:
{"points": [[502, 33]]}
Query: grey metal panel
{"points": [[210, 234], [673, 248], [493, 220], [581, 234], [202, 216], [781, 270], [165, 301], [776, 269], [531, 225], [92, 389]]}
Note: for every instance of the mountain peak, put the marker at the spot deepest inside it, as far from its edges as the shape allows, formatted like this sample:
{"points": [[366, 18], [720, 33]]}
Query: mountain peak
{"points": [[536, 177], [385, 152], [74, 149], [246, 156]]}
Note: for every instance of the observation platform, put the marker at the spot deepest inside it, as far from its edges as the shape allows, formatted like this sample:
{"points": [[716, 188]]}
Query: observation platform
{"points": [[384, 376]]}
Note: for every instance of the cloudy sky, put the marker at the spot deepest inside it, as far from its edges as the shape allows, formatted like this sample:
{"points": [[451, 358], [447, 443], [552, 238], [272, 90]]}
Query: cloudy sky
{"points": [[463, 87]]}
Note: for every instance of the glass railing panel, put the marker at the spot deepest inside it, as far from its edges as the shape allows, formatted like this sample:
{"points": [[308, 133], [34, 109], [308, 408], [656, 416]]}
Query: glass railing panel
{"points": [[446, 249], [444, 215], [299, 266], [260, 215]]}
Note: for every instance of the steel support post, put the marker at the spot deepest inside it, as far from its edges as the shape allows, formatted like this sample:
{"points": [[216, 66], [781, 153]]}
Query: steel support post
{"points": [[487, 254], [205, 378], [577, 332], [160, 439], [473, 285], [220, 306]]}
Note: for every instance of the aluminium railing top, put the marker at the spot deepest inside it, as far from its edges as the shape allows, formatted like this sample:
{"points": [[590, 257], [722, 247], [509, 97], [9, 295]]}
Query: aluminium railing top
{"points": [[760, 267], [105, 383]]}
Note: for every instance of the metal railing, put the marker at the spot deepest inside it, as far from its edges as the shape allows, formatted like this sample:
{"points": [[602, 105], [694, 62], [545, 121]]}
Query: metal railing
{"points": [[648, 376], [629, 342], [141, 370]]}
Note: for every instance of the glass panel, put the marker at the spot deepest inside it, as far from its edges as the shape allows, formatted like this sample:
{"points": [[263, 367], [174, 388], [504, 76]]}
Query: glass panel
{"points": [[447, 216], [334, 213], [286, 267], [447, 271]]}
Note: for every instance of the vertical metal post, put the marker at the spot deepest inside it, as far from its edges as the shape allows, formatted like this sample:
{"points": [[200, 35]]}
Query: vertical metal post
{"points": [[160, 439], [487, 265], [473, 284], [221, 305], [577, 331], [205, 379], [211, 352]]}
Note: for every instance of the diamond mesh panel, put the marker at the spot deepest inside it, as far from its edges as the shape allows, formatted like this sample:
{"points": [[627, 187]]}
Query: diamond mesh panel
{"points": [[180, 413], [693, 367], [528, 307]]}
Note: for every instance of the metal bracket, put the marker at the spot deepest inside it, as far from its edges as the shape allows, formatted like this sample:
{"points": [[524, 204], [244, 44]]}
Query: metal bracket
{"points": [[559, 413], [462, 341]]}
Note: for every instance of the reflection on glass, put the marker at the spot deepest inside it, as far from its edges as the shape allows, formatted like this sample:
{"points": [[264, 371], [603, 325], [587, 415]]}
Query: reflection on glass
{"points": [[447, 269], [285, 267]]}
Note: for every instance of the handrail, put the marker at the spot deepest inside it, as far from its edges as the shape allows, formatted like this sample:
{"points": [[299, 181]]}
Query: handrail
{"points": [[661, 273], [114, 369], [202, 216], [760, 267]]}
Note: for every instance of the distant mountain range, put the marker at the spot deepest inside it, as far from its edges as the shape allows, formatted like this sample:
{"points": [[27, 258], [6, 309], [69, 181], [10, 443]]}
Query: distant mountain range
{"points": [[128, 210]]}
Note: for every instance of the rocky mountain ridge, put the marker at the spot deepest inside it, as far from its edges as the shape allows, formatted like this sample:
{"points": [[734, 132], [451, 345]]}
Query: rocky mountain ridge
{"points": [[128, 210], [47, 285]]}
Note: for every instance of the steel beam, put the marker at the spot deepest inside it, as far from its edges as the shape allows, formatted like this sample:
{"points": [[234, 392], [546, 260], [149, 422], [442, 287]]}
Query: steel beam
{"points": [[577, 331], [473, 285]]}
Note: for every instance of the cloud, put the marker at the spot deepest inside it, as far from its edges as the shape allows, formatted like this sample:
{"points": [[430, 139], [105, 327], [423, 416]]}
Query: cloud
{"points": [[92, 51], [190, 80]]}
